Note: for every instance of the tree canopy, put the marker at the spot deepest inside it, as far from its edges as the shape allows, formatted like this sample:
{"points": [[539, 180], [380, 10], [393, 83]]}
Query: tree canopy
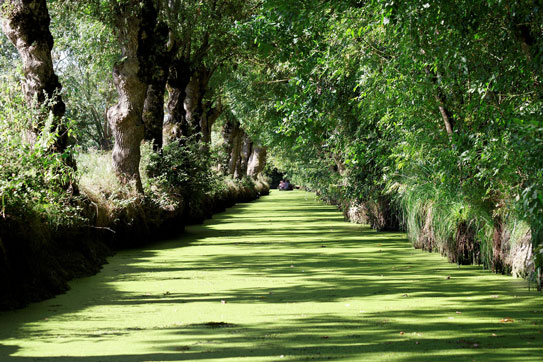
{"points": [[428, 115]]}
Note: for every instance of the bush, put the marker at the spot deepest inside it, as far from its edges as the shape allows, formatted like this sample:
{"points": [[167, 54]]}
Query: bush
{"points": [[34, 182], [184, 168]]}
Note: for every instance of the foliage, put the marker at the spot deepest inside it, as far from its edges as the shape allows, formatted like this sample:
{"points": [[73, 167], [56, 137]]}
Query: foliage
{"points": [[35, 184], [84, 55], [183, 167], [435, 104]]}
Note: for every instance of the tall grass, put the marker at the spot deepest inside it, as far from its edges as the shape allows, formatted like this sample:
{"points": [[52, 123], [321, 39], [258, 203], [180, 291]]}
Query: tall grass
{"points": [[96, 173], [437, 220]]}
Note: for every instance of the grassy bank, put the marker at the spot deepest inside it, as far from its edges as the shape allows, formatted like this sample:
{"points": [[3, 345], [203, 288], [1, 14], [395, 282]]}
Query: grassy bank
{"points": [[463, 231], [43, 247], [281, 279]]}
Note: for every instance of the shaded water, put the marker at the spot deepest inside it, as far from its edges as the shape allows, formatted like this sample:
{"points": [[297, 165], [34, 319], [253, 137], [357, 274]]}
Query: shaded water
{"points": [[280, 279]]}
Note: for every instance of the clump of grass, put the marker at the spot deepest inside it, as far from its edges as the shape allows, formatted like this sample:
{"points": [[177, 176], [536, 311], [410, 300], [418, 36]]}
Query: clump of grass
{"points": [[96, 173], [437, 219], [235, 187], [262, 184], [520, 257], [98, 182], [441, 221], [174, 180]]}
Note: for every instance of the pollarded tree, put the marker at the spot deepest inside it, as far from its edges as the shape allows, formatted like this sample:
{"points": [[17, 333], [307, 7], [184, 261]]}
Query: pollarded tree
{"points": [[163, 49], [134, 23], [233, 138], [204, 34], [26, 23], [243, 156]]}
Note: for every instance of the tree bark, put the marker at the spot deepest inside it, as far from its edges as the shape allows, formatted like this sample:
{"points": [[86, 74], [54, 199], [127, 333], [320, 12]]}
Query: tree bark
{"points": [[153, 108], [188, 113], [233, 139], [194, 102], [27, 27], [257, 161], [440, 99], [444, 114], [209, 116], [134, 24], [228, 136], [245, 152], [179, 77], [340, 165], [153, 114], [105, 136]]}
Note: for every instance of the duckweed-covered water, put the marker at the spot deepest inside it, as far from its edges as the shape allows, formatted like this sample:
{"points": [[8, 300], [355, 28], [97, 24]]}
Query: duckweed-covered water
{"points": [[281, 279]]}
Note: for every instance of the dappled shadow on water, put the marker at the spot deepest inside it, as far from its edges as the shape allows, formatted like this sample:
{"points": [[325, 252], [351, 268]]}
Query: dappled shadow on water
{"points": [[371, 337], [430, 310]]}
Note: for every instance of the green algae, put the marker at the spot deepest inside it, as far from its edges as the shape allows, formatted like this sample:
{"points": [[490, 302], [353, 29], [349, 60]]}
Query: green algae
{"points": [[281, 279]]}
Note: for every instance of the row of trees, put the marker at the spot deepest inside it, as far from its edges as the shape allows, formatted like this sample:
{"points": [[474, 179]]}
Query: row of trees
{"points": [[123, 158], [172, 48], [426, 113]]}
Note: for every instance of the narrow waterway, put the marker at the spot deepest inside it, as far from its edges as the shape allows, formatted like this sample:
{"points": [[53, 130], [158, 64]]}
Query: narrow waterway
{"points": [[281, 279]]}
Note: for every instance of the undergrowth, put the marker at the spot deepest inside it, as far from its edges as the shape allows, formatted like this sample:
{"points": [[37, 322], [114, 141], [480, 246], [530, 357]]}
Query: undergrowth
{"points": [[35, 183], [449, 223]]}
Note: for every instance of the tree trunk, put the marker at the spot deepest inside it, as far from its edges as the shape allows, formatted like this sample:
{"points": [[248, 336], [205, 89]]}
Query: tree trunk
{"points": [[257, 161], [236, 140], [246, 150], [27, 26], [440, 99], [105, 136], [444, 113], [340, 165], [153, 114], [228, 137], [179, 77], [209, 116], [153, 108], [194, 102], [130, 77], [497, 246]]}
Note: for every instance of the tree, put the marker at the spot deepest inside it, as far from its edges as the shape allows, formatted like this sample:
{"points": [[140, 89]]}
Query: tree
{"points": [[163, 50], [413, 108], [134, 23], [204, 33], [27, 26]]}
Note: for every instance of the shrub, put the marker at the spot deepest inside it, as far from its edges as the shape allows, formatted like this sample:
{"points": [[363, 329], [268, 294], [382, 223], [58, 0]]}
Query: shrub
{"points": [[184, 168], [34, 182]]}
